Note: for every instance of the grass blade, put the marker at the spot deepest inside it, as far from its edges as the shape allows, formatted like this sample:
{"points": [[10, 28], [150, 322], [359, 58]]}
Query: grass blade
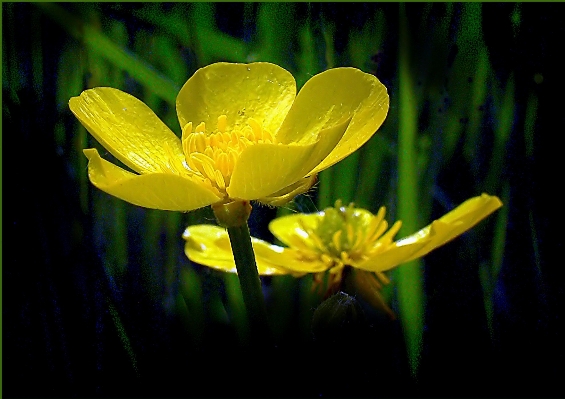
{"points": [[409, 279]]}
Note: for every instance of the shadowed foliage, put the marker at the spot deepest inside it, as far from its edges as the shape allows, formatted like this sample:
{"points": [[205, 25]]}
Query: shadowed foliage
{"points": [[99, 299]]}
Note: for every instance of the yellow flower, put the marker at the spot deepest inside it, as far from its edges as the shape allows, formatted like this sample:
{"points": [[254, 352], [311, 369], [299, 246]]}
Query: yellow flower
{"points": [[336, 240], [246, 135]]}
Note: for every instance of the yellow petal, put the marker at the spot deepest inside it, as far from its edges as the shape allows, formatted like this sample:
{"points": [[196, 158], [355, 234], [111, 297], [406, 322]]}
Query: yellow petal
{"points": [[154, 190], [210, 246], [289, 228], [438, 233], [127, 128], [456, 222], [264, 169], [333, 96], [473, 210], [392, 256], [259, 90], [287, 259], [288, 193]]}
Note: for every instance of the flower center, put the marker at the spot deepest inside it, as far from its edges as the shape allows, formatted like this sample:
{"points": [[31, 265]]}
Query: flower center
{"points": [[346, 235], [341, 230], [213, 155]]}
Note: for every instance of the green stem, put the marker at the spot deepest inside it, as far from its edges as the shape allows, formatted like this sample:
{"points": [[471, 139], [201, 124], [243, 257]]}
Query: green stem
{"points": [[233, 216], [249, 280]]}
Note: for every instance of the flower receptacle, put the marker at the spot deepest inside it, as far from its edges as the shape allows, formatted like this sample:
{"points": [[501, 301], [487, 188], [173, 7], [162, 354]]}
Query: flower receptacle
{"points": [[233, 213]]}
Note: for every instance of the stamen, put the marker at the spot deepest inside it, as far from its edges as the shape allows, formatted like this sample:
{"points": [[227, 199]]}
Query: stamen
{"points": [[381, 213], [328, 260], [214, 142], [222, 123], [249, 134], [213, 156], [389, 235], [232, 158], [318, 242], [220, 180], [336, 240], [381, 228], [201, 127], [186, 130], [223, 163], [197, 142], [374, 224], [360, 239], [256, 127], [226, 138], [196, 165], [344, 256], [210, 171]]}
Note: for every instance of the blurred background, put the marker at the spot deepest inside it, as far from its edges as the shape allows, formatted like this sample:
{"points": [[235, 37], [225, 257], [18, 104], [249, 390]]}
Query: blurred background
{"points": [[99, 300]]}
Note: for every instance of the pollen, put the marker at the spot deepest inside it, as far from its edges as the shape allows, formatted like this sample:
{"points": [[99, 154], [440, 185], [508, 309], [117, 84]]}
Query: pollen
{"points": [[213, 154]]}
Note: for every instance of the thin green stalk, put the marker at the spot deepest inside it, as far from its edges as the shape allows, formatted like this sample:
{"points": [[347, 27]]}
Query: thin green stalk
{"points": [[236, 306], [115, 78], [210, 43], [276, 23], [409, 278], [371, 171], [346, 183], [504, 126], [249, 281], [192, 297], [285, 288], [309, 300], [123, 335], [307, 57], [233, 216], [488, 272]]}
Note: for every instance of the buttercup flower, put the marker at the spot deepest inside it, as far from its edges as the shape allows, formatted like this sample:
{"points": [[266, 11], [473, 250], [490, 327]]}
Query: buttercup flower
{"points": [[338, 239], [246, 135]]}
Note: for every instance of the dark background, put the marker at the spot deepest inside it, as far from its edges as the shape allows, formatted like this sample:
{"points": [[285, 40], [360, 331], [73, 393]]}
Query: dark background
{"points": [[64, 314]]}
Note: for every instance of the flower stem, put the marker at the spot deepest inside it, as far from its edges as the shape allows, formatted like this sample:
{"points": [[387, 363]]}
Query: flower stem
{"points": [[233, 216], [249, 281]]}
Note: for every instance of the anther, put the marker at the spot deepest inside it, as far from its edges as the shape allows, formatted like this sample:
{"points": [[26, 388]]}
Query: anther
{"points": [[328, 260], [222, 163], [222, 123], [187, 129], [196, 143], [256, 127], [220, 180], [200, 128], [336, 240], [389, 235]]}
